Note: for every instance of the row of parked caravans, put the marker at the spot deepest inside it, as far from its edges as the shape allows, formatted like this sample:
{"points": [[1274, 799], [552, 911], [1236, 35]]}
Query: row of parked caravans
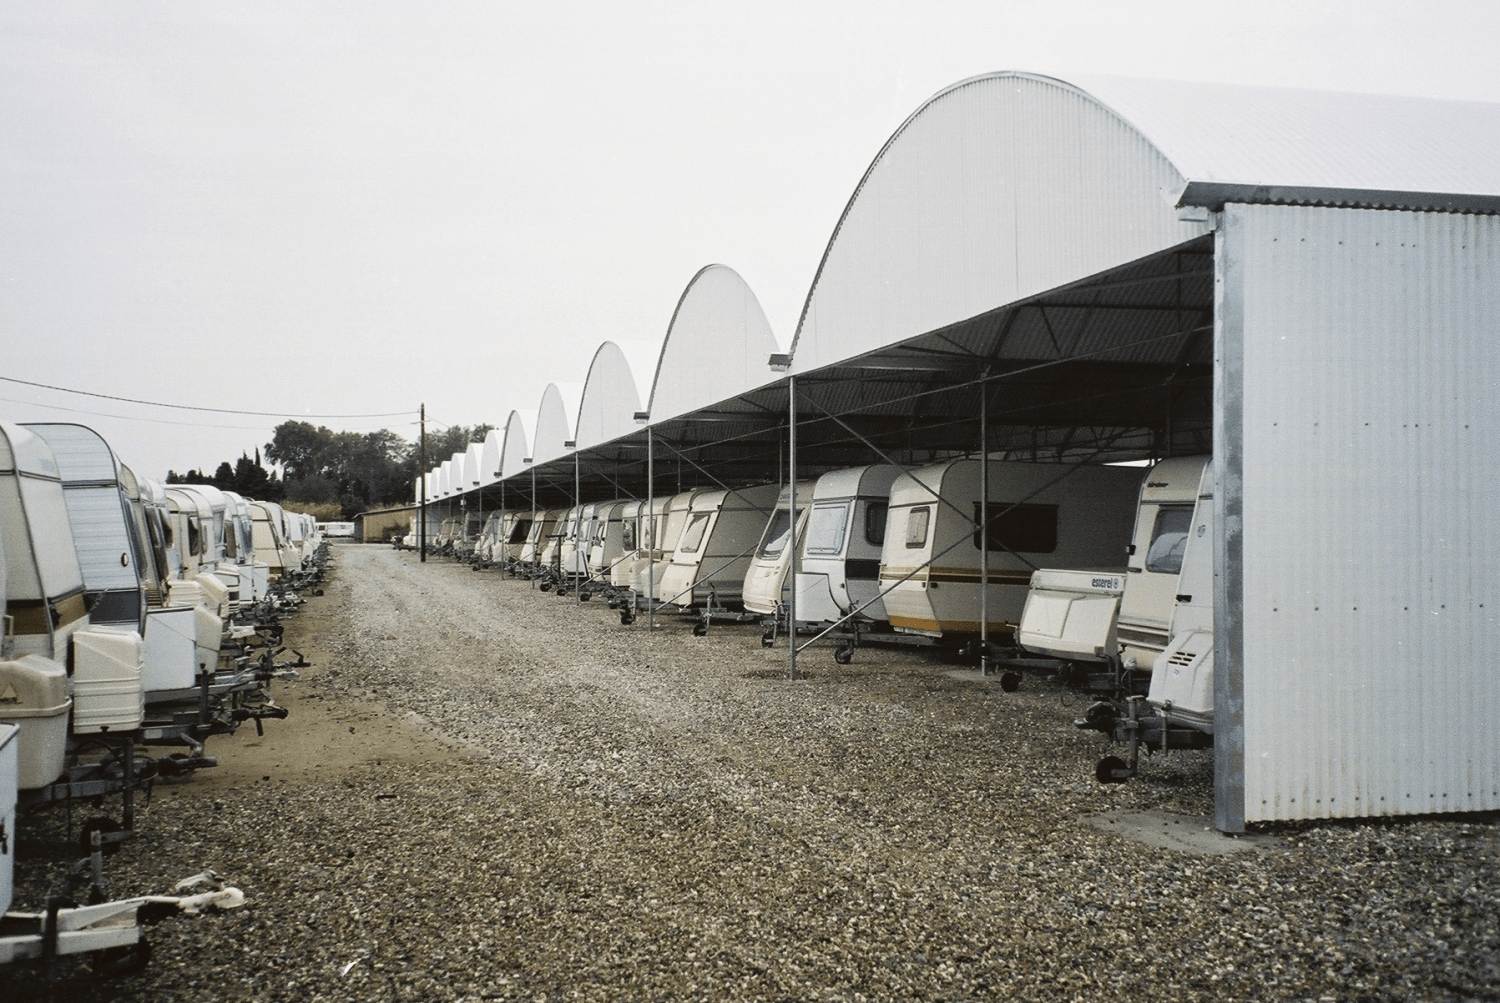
{"points": [[136, 615], [891, 555]]}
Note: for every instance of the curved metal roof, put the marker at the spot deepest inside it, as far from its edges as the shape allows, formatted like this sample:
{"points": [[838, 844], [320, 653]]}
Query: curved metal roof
{"points": [[26, 452], [472, 470], [554, 421], [611, 396], [1004, 186], [456, 485], [997, 188], [514, 450], [716, 347]]}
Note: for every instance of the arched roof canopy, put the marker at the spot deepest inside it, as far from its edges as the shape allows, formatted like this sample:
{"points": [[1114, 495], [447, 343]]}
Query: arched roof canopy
{"points": [[716, 348], [472, 471], [996, 189], [515, 449], [489, 456], [1005, 186], [611, 395], [456, 485], [554, 421]]}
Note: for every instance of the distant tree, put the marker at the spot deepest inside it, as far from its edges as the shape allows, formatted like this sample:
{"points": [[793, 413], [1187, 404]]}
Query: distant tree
{"points": [[299, 447], [351, 470]]}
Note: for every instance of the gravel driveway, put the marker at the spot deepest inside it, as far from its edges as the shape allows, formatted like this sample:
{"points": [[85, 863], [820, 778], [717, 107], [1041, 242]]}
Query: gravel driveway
{"points": [[487, 792]]}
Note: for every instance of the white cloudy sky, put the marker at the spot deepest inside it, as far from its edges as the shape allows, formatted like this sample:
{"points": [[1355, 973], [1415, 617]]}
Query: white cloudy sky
{"points": [[353, 207]]}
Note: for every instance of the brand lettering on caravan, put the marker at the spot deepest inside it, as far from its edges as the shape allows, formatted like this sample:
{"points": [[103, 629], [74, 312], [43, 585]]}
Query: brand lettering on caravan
{"points": [[1105, 583]]}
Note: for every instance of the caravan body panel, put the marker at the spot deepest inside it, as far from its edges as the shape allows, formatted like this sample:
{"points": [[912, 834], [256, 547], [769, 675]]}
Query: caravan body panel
{"points": [[1039, 513]]}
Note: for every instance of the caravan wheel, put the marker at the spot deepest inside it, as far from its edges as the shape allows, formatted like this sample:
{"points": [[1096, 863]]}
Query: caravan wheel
{"points": [[626, 618], [1010, 681], [1112, 770], [700, 629], [843, 654]]}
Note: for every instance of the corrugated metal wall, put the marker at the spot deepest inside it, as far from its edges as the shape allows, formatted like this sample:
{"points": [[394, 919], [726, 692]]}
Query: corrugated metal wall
{"points": [[1369, 451]]}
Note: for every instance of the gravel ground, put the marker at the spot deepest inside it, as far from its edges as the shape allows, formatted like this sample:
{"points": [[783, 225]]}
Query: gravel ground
{"points": [[488, 792]]}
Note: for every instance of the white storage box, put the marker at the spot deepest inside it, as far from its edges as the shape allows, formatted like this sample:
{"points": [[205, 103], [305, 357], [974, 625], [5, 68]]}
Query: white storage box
{"points": [[184, 593], [34, 697], [171, 649], [109, 694], [9, 747], [208, 632], [1071, 614], [215, 593]]}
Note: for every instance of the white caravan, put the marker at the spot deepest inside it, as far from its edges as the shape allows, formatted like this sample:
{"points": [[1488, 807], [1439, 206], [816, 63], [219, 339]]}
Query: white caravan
{"points": [[538, 536], [1074, 514], [513, 533], [270, 544], [765, 589], [840, 567], [1112, 612], [613, 538], [98, 515], [670, 524], [47, 611], [239, 546], [572, 547], [552, 544], [713, 553], [636, 543]]}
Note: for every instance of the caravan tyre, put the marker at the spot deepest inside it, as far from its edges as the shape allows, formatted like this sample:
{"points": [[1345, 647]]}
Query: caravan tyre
{"points": [[844, 654], [700, 629], [1111, 770], [1010, 681]]}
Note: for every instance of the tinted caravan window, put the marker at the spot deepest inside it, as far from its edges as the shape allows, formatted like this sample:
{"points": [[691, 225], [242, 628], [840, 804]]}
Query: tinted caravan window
{"points": [[1024, 529]]}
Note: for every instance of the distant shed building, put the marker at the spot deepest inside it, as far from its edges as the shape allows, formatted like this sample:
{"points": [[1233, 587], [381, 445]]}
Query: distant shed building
{"points": [[380, 525]]}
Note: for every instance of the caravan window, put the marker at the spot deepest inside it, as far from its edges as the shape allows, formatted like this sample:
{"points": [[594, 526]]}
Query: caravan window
{"points": [[520, 531], [825, 528], [875, 514], [777, 532], [1169, 539], [195, 535], [916, 526], [692, 537], [627, 535], [1024, 529]]}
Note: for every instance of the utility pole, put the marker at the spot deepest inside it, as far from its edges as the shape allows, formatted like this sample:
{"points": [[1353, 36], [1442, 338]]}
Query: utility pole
{"points": [[422, 467]]}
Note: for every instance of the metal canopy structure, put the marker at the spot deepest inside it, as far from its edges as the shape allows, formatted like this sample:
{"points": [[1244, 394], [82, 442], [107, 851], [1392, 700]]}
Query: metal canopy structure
{"points": [[1134, 269]]}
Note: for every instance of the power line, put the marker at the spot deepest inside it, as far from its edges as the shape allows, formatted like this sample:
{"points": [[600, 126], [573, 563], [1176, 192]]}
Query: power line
{"points": [[191, 407], [136, 417]]}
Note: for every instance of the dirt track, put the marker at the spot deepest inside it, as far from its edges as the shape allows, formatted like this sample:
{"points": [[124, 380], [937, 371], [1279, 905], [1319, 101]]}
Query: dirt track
{"points": [[486, 791]]}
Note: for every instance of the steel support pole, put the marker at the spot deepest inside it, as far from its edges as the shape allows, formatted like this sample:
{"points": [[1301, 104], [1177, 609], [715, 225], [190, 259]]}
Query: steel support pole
{"points": [[791, 528], [536, 552], [422, 464], [651, 515], [984, 529], [578, 562]]}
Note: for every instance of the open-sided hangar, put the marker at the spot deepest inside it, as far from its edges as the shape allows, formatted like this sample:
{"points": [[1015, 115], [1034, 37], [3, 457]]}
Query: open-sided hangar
{"points": [[1306, 285]]}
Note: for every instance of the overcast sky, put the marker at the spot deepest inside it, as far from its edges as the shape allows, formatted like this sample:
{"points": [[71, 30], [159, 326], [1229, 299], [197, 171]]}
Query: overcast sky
{"points": [[355, 207]]}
